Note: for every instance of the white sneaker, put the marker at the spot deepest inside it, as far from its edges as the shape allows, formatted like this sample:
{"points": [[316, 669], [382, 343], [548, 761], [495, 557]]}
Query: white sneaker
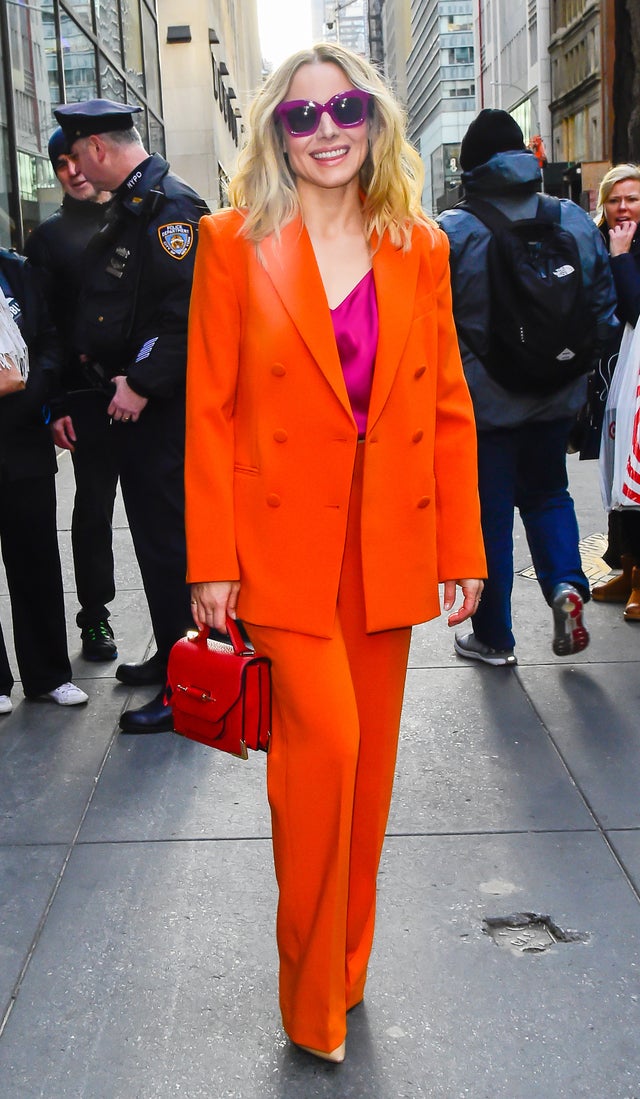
{"points": [[6, 705], [67, 694]]}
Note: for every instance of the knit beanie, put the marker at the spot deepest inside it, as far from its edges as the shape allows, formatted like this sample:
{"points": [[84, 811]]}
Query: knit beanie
{"points": [[57, 146], [493, 131]]}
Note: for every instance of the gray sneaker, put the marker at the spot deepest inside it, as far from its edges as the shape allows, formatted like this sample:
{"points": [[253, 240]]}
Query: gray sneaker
{"points": [[472, 649]]}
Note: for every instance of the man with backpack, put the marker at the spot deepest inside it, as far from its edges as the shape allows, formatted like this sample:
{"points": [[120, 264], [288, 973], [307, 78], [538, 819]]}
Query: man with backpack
{"points": [[533, 301]]}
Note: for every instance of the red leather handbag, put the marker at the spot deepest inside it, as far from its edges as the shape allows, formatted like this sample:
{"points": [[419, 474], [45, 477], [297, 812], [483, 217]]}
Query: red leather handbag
{"points": [[220, 693]]}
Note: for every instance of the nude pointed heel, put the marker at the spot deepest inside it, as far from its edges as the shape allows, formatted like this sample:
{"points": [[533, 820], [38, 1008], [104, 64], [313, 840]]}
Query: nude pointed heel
{"points": [[336, 1056]]}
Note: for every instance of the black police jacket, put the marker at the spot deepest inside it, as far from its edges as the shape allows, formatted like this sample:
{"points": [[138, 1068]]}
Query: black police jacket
{"points": [[26, 446], [137, 275]]}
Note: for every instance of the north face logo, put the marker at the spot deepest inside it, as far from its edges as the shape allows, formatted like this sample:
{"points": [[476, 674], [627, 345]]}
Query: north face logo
{"points": [[566, 355], [562, 272]]}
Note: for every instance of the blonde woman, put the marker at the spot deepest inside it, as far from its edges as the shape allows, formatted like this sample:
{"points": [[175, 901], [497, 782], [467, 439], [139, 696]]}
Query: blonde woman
{"points": [[618, 215], [331, 484]]}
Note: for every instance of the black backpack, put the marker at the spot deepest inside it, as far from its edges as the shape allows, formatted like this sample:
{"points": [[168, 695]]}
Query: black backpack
{"points": [[542, 333]]}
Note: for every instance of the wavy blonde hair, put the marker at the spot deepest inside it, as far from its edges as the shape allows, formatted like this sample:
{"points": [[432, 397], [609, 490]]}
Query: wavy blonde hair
{"points": [[613, 176], [391, 177]]}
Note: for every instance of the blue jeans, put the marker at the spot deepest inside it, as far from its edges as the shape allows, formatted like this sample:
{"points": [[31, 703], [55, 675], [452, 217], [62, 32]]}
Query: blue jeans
{"points": [[525, 467]]}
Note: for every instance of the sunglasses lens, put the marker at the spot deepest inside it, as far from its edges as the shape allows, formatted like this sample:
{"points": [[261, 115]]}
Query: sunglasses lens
{"points": [[348, 110], [301, 120]]}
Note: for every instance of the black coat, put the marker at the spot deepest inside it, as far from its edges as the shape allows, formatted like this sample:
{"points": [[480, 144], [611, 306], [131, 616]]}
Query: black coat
{"points": [[56, 248], [138, 270], [626, 275], [26, 446]]}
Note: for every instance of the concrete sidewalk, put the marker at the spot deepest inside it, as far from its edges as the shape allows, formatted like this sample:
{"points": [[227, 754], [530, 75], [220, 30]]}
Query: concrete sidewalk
{"points": [[137, 897]]}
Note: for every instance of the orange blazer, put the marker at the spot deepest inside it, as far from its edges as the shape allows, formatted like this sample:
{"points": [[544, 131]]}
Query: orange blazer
{"points": [[271, 439]]}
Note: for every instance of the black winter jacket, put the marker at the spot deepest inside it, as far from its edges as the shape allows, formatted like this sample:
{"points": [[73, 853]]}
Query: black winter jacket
{"points": [[26, 446]]}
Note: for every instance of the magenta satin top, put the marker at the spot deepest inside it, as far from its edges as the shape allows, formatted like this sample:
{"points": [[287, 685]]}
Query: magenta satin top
{"points": [[355, 323]]}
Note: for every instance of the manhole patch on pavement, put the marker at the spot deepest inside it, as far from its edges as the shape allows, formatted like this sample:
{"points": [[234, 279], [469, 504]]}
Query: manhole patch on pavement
{"points": [[528, 933]]}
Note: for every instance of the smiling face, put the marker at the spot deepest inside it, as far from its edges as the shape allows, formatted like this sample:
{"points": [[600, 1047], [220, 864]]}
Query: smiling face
{"points": [[623, 203], [332, 156]]}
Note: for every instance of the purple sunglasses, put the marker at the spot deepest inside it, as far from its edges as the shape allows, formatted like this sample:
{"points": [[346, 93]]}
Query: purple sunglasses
{"points": [[301, 117]]}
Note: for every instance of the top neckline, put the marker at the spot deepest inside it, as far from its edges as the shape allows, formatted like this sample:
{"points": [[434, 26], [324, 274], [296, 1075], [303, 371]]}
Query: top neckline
{"points": [[353, 290]]}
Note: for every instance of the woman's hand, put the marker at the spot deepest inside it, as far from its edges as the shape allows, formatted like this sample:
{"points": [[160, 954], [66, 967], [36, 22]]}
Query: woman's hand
{"points": [[620, 237], [212, 601], [471, 590]]}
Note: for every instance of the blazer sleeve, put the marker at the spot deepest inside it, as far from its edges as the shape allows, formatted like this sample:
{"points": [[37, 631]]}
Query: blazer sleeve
{"points": [[460, 544], [212, 372]]}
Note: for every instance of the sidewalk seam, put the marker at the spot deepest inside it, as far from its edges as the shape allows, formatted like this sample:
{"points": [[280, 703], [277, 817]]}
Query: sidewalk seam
{"points": [[54, 891], [583, 797]]}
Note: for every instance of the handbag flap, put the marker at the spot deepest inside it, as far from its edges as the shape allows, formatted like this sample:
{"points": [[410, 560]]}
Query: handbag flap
{"points": [[204, 674]]}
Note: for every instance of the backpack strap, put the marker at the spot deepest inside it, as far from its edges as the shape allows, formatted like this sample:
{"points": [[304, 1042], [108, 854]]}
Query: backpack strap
{"points": [[549, 209], [548, 212]]}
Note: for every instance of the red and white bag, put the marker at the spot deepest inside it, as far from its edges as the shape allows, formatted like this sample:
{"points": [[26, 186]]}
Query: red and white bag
{"points": [[620, 448]]}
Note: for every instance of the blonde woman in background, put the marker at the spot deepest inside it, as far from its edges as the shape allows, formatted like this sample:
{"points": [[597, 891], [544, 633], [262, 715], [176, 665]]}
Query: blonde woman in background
{"points": [[618, 215], [331, 484]]}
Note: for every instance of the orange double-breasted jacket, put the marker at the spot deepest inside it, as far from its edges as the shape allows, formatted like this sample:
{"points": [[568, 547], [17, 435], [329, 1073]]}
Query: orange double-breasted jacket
{"points": [[271, 439]]}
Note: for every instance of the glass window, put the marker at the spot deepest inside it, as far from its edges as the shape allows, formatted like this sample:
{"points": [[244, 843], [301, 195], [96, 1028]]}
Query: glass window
{"points": [[79, 59], [108, 24], [82, 9], [112, 85], [51, 52], [39, 191], [132, 35], [140, 121], [156, 136], [30, 78], [151, 59], [7, 227]]}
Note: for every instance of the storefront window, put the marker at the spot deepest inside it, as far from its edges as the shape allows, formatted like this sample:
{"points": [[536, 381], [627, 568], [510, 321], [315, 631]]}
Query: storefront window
{"points": [[122, 65], [79, 58], [39, 190]]}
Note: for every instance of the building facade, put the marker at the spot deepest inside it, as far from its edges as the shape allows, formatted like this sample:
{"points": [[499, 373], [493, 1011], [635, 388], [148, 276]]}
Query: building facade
{"points": [[55, 51], [211, 68], [575, 50], [441, 91], [393, 17], [343, 21], [513, 70]]}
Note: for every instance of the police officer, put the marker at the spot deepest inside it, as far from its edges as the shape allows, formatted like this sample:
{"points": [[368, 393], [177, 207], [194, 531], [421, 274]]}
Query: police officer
{"points": [[78, 410], [132, 329]]}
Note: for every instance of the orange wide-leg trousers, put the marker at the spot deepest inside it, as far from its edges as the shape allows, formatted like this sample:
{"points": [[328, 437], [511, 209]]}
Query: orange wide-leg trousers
{"points": [[336, 714]]}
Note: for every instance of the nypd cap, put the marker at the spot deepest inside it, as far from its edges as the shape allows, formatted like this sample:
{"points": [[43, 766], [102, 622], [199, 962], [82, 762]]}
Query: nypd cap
{"points": [[94, 116]]}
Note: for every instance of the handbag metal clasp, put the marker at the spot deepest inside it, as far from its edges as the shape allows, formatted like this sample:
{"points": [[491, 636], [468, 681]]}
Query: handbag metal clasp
{"points": [[196, 692]]}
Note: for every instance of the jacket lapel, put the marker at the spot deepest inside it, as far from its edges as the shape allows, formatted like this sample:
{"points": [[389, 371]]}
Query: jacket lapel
{"points": [[395, 273], [292, 267]]}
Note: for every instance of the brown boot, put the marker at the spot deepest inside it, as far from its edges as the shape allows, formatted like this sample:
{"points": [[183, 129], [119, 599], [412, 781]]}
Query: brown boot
{"points": [[632, 609], [618, 589]]}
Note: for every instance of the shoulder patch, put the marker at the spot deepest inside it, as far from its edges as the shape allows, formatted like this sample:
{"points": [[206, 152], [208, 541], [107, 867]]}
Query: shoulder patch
{"points": [[176, 239]]}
